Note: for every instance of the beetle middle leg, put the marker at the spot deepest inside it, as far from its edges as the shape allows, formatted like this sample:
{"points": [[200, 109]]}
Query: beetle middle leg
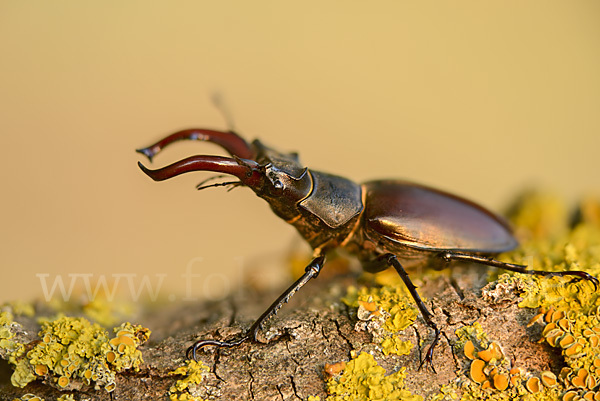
{"points": [[391, 260], [311, 271], [576, 274]]}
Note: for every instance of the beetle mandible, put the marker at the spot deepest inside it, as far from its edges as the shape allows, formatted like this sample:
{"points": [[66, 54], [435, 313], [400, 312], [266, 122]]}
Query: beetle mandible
{"points": [[384, 223]]}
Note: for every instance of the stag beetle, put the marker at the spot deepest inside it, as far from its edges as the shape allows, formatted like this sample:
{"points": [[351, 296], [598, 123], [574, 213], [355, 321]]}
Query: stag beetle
{"points": [[384, 223]]}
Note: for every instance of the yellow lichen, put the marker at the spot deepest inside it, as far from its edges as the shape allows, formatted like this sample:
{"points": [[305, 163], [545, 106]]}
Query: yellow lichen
{"points": [[63, 381], [533, 385], [332, 369], [477, 374], [98, 309], [364, 379], [107, 313], [74, 350], [473, 333], [186, 388], [500, 381], [6, 319], [469, 349], [549, 243], [30, 397], [392, 300], [129, 337], [570, 395], [548, 378], [493, 352], [12, 350], [491, 369], [385, 311], [19, 308], [394, 345], [571, 308], [41, 370], [493, 376]]}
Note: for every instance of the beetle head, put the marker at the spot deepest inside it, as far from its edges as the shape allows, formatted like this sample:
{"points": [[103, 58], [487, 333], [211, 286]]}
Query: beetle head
{"points": [[287, 163], [286, 182], [282, 190]]}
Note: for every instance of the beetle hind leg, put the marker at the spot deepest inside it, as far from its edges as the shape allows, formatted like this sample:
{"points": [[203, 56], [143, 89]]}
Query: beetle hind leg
{"points": [[311, 271], [575, 274]]}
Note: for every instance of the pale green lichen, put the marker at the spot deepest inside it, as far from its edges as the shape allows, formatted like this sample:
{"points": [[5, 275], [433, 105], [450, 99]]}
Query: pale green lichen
{"points": [[364, 380], [185, 389], [74, 351]]}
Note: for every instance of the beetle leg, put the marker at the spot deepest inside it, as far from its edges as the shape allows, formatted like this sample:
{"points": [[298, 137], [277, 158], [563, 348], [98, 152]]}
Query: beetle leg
{"points": [[393, 261], [311, 271], [191, 351], [229, 140], [578, 275]]}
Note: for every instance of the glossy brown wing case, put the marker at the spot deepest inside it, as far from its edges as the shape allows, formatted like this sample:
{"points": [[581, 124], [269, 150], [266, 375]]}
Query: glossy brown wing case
{"points": [[420, 217]]}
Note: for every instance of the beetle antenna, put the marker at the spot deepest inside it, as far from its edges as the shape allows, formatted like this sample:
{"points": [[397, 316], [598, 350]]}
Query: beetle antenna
{"points": [[220, 184], [201, 184], [221, 104], [211, 178]]}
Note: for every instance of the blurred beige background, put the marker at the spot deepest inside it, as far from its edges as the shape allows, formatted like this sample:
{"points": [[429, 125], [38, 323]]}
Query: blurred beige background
{"points": [[479, 98]]}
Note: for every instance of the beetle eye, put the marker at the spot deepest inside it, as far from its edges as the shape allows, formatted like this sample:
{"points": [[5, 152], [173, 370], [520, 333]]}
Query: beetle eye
{"points": [[278, 184]]}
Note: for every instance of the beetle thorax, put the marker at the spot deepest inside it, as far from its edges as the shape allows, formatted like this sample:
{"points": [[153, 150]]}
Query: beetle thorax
{"points": [[322, 207]]}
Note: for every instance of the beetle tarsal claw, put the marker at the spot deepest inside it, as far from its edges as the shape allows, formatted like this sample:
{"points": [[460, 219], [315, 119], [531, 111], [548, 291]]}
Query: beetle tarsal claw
{"points": [[428, 360], [215, 343], [584, 276]]}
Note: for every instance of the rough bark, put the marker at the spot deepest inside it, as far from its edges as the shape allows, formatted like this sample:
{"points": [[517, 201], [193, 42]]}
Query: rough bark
{"points": [[314, 329]]}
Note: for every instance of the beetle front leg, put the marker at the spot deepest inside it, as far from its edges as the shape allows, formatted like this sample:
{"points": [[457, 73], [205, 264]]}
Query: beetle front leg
{"points": [[393, 261], [311, 271]]}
